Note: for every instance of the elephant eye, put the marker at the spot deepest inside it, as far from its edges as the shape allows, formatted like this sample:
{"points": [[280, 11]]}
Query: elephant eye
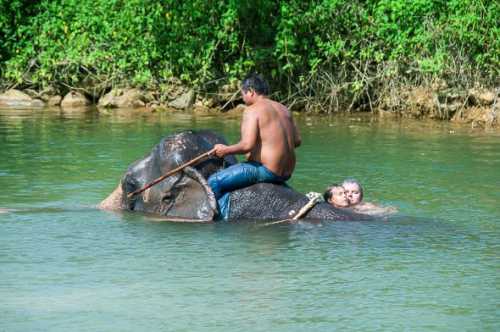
{"points": [[166, 196]]}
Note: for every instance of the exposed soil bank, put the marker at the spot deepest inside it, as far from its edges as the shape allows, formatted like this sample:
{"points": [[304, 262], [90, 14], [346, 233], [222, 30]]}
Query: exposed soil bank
{"points": [[479, 107]]}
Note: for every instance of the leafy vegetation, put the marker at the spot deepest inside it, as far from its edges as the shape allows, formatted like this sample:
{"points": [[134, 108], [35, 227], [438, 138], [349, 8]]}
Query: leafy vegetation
{"points": [[323, 51]]}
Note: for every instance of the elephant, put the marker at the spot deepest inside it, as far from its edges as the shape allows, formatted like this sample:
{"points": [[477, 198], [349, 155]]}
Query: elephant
{"points": [[186, 195]]}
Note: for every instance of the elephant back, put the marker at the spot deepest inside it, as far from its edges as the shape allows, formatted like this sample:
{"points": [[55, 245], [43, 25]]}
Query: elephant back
{"points": [[265, 201], [272, 201]]}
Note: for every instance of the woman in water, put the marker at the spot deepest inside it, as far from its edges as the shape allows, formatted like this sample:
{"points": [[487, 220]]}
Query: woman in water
{"points": [[354, 193]]}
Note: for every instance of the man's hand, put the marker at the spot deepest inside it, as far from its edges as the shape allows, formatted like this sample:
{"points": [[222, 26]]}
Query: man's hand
{"points": [[220, 150]]}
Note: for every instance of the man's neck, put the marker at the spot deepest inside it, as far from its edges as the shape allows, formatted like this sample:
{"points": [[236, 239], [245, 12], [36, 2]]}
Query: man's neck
{"points": [[258, 98]]}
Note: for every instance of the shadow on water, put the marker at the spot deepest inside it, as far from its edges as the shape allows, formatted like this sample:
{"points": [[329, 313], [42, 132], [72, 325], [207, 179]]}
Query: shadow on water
{"points": [[397, 232], [394, 235], [395, 222]]}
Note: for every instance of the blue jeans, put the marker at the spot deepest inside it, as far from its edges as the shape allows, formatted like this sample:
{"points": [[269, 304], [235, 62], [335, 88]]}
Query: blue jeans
{"points": [[239, 176]]}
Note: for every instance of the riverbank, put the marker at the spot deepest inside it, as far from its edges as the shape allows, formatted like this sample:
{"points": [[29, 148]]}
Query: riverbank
{"points": [[478, 107], [424, 59]]}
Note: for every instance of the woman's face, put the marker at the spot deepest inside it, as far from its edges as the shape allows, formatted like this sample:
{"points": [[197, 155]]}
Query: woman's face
{"points": [[353, 193]]}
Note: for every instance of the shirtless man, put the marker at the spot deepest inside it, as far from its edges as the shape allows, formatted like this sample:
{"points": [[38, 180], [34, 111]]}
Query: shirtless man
{"points": [[269, 137]]}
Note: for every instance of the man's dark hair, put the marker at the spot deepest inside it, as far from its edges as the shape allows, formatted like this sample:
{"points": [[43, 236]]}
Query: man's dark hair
{"points": [[328, 193], [256, 83]]}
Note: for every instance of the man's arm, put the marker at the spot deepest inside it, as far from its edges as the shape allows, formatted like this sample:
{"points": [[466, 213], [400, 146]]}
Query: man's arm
{"points": [[249, 133]]}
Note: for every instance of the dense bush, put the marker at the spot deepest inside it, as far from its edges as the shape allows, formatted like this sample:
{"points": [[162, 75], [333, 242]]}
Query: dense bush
{"points": [[352, 44], [13, 18]]}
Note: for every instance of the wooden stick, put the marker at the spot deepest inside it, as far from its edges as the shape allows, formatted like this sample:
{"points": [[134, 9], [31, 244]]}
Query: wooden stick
{"points": [[305, 209], [309, 205], [175, 170]]}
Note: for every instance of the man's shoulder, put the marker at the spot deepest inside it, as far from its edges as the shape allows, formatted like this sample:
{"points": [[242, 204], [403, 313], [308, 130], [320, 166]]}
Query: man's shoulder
{"points": [[250, 112], [254, 109], [280, 107], [271, 105]]}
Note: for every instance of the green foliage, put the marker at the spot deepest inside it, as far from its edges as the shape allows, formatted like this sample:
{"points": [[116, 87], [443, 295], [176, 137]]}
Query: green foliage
{"points": [[101, 43], [13, 14]]}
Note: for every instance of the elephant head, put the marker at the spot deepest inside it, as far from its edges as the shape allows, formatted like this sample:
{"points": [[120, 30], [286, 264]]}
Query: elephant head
{"points": [[184, 195]]}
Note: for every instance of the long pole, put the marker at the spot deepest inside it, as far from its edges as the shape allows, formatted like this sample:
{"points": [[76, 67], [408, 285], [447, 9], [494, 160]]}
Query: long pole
{"points": [[308, 206], [175, 170]]}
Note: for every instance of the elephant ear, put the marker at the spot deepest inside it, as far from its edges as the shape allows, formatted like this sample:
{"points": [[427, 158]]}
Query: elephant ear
{"points": [[189, 198]]}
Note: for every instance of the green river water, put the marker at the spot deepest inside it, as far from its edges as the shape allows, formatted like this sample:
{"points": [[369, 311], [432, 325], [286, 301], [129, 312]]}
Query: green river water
{"points": [[66, 266]]}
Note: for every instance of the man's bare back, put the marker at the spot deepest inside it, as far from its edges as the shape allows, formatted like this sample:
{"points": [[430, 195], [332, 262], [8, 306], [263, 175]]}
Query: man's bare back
{"points": [[277, 138], [268, 135]]}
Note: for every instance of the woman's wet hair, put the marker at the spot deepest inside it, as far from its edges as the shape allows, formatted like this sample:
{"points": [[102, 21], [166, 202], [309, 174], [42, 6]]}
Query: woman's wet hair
{"points": [[328, 192], [256, 83], [356, 182]]}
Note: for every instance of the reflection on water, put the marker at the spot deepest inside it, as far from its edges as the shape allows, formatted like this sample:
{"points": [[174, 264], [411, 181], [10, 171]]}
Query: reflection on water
{"points": [[63, 263]]}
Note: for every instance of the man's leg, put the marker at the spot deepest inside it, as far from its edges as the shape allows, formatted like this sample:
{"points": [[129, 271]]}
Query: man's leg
{"points": [[234, 177], [224, 206]]}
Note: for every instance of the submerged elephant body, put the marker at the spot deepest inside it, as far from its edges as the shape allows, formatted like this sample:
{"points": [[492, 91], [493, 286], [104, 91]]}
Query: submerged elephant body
{"points": [[187, 196], [272, 201]]}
